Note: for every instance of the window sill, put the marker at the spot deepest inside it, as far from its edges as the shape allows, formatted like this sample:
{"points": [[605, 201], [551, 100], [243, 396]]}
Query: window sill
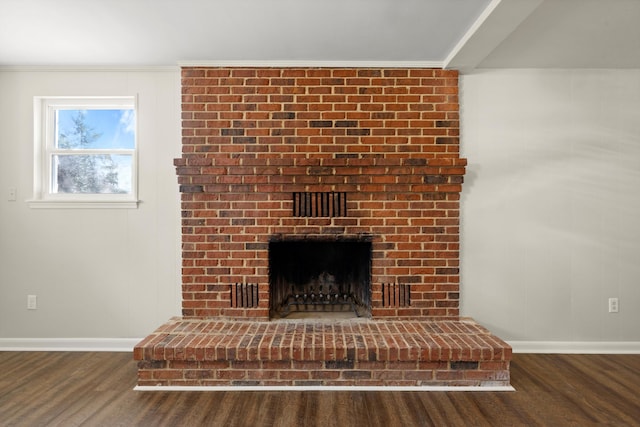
{"points": [[83, 204]]}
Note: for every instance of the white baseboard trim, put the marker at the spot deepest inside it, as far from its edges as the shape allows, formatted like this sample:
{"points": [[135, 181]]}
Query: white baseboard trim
{"points": [[127, 344], [323, 388], [576, 347], [69, 344]]}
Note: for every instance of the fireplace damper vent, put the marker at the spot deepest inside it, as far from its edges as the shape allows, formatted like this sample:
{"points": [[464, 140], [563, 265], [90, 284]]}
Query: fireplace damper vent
{"points": [[396, 295], [319, 204], [244, 295]]}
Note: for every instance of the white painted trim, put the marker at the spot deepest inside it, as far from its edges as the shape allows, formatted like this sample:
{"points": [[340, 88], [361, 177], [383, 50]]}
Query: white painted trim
{"points": [[75, 204], [323, 388], [498, 20], [68, 344], [89, 68], [226, 63], [576, 347], [471, 31], [127, 344], [313, 64]]}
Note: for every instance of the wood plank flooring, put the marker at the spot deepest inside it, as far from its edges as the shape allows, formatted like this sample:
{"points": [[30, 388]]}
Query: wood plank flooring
{"points": [[96, 389]]}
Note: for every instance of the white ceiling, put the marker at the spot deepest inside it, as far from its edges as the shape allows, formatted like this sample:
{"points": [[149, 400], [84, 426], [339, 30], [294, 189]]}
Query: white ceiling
{"points": [[463, 34]]}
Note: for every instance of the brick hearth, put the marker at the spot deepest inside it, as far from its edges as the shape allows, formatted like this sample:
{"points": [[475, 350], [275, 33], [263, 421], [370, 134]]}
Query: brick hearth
{"points": [[368, 158], [359, 352]]}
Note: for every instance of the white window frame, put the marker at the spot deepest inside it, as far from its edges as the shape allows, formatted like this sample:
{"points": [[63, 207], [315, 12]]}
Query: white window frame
{"points": [[45, 108]]}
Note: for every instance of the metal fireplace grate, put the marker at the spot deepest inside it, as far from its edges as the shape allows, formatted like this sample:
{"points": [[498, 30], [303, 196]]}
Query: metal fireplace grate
{"points": [[244, 295], [319, 300], [319, 204], [396, 295]]}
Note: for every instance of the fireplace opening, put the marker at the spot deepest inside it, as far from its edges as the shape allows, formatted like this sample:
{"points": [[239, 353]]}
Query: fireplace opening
{"points": [[317, 278]]}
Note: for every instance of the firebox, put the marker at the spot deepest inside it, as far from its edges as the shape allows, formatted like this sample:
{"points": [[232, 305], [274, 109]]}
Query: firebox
{"points": [[320, 278]]}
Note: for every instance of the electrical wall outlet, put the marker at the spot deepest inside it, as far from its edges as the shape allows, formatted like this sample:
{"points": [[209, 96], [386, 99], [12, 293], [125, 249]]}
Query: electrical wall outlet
{"points": [[614, 307], [32, 302], [12, 194]]}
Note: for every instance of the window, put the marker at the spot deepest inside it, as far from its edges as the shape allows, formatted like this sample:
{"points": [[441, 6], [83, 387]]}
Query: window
{"points": [[85, 152]]}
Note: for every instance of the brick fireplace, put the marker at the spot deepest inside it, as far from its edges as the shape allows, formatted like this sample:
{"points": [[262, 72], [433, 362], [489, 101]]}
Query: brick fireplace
{"points": [[357, 174]]}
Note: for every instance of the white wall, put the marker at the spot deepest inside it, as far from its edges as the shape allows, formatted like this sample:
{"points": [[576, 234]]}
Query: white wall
{"points": [[96, 272], [550, 210], [551, 203]]}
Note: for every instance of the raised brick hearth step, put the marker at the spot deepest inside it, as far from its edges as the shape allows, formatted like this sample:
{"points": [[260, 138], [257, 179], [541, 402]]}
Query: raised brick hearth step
{"points": [[356, 352]]}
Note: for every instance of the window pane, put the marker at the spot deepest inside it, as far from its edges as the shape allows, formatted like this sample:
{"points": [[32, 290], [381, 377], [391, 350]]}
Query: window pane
{"points": [[92, 173], [102, 129]]}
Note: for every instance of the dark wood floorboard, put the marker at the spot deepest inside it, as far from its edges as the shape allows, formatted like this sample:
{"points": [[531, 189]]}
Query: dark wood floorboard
{"points": [[96, 389]]}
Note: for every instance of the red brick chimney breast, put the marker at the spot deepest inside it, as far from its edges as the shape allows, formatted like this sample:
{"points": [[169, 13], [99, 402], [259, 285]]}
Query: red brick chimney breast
{"points": [[388, 139]]}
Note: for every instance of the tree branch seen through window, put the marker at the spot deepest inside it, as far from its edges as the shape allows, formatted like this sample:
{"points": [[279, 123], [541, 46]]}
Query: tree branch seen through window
{"points": [[84, 173]]}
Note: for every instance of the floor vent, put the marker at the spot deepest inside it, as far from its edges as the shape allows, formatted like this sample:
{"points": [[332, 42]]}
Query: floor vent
{"points": [[319, 204], [244, 295], [396, 295]]}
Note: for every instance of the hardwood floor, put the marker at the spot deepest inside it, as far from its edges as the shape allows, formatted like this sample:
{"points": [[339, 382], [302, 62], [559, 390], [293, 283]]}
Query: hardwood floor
{"points": [[96, 389]]}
